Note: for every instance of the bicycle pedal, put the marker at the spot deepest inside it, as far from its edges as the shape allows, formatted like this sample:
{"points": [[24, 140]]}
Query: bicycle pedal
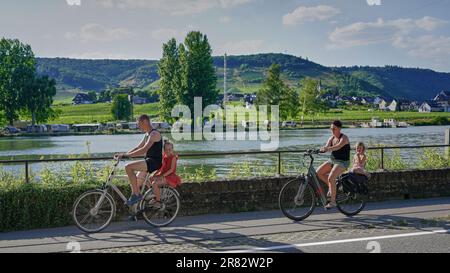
{"points": [[132, 218]]}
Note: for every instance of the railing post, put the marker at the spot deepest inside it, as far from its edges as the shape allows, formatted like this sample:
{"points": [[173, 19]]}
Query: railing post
{"points": [[27, 178], [447, 142], [279, 163], [382, 158]]}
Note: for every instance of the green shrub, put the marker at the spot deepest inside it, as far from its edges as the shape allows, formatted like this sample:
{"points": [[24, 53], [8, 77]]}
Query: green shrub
{"points": [[395, 161], [38, 205], [197, 174], [440, 121], [432, 159]]}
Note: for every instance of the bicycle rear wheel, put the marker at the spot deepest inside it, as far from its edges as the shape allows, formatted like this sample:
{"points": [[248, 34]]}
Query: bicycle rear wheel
{"points": [[297, 199], [349, 203], [89, 215], [163, 215]]}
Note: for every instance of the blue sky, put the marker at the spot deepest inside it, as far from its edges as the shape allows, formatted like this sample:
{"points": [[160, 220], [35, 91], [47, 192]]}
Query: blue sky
{"points": [[412, 33]]}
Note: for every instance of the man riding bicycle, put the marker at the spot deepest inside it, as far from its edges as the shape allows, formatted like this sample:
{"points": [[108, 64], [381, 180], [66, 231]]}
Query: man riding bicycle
{"points": [[151, 148]]}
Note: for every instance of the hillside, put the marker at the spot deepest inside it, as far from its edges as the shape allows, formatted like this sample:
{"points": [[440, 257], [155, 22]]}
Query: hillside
{"points": [[413, 83], [246, 74]]}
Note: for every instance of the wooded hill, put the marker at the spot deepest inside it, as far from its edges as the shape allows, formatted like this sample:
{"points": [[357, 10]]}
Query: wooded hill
{"points": [[246, 74]]}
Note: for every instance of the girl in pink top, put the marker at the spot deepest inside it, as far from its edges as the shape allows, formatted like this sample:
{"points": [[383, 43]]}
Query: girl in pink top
{"points": [[360, 160], [167, 173]]}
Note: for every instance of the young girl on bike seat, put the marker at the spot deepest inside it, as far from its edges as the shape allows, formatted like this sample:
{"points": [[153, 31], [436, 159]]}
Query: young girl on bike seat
{"points": [[166, 174], [360, 160]]}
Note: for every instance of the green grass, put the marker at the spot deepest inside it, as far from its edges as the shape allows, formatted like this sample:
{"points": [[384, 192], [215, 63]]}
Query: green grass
{"points": [[65, 96], [366, 115], [100, 112]]}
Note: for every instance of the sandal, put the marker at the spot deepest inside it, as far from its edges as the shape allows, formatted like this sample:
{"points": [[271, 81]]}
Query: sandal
{"points": [[330, 205]]}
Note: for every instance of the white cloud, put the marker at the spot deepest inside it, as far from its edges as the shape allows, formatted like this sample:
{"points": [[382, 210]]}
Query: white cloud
{"points": [[73, 2], [225, 19], [242, 47], [380, 31], [411, 36], [426, 46], [174, 7], [98, 33], [165, 34], [310, 14], [70, 35], [373, 2], [430, 23]]}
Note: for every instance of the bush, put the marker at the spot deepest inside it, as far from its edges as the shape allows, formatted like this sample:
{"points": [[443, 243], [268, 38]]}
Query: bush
{"points": [[46, 202], [440, 121], [35, 205], [432, 159]]}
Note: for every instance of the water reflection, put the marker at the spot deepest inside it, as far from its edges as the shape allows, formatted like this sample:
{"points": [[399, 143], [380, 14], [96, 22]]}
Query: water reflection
{"points": [[102, 145]]}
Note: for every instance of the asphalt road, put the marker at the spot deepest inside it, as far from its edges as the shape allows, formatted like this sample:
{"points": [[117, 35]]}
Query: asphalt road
{"points": [[397, 226]]}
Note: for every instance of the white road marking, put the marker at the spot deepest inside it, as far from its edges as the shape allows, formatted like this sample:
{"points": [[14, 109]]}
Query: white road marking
{"points": [[339, 241]]}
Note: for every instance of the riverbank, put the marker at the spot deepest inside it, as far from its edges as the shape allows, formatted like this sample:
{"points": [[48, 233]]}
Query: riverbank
{"points": [[128, 132], [101, 112]]}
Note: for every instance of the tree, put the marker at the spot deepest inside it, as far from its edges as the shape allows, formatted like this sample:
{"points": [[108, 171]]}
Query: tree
{"points": [[121, 107], [17, 69], [2, 119], [289, 106], [170, 79], [93, 96], [198, 78], [104, 96], [38, 99], [310, 97], [275, 92]]}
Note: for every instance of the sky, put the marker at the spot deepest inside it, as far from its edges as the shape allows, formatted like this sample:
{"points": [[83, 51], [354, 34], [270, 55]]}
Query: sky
{"points": [[409, 33]]}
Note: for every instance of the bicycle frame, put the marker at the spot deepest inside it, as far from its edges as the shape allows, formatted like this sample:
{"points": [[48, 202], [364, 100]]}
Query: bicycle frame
{"points": [[109, 184], [317, 186]]}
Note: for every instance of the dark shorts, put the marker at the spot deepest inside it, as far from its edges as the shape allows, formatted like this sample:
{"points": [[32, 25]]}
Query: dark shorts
{"points": [[342, 163], [153, 164]]}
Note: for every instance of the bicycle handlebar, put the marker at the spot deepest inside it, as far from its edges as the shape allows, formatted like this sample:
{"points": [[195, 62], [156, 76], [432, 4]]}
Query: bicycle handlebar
{"points": [[118, 159], [312, 152]]}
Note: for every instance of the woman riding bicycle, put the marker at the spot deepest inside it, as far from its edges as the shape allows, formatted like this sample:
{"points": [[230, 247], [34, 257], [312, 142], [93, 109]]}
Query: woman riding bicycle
{"points": [[339, 146]]}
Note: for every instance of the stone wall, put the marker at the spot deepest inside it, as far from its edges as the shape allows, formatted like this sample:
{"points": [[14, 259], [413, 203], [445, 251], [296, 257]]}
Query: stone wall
{"points": [[262, 193]]}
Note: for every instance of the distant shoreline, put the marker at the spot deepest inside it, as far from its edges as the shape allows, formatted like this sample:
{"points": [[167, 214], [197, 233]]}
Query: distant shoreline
{"points": [[166, 131]]}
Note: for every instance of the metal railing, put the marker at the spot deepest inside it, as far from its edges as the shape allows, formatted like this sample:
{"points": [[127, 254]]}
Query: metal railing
{"points": [[382, 149]]}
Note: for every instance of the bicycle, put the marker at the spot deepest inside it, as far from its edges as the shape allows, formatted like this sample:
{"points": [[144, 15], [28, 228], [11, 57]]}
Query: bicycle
{"points": [[299, 196], [94, 210]]}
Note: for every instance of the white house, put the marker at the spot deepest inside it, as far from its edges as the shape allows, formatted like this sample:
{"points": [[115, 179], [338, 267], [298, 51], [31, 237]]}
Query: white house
{"points": [[377, 100], [430, 106], [382, 105], [394, 106], [82, 98], [139, 100]]}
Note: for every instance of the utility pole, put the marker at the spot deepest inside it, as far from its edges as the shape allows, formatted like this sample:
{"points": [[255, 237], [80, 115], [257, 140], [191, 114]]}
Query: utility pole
{"points": [[225, 97]]}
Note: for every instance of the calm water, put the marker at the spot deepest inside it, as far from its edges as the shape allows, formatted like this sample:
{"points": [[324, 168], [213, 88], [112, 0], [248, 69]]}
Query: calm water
{"points": [[101, 145]]}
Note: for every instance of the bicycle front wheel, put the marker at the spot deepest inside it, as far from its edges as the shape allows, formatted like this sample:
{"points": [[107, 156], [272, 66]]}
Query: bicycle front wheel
{"points": [[89, 214], [297, 199], [163, 214]]}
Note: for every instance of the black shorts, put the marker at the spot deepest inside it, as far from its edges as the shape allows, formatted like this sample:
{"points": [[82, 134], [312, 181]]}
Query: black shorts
{"points": [[153, 164]]}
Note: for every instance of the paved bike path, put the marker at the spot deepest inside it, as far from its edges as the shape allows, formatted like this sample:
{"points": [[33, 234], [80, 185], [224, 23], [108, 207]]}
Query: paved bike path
{"points": [[196, 229]]}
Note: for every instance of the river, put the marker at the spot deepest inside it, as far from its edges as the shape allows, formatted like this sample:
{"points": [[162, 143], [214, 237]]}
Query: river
{"points": [[101, 145]]}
